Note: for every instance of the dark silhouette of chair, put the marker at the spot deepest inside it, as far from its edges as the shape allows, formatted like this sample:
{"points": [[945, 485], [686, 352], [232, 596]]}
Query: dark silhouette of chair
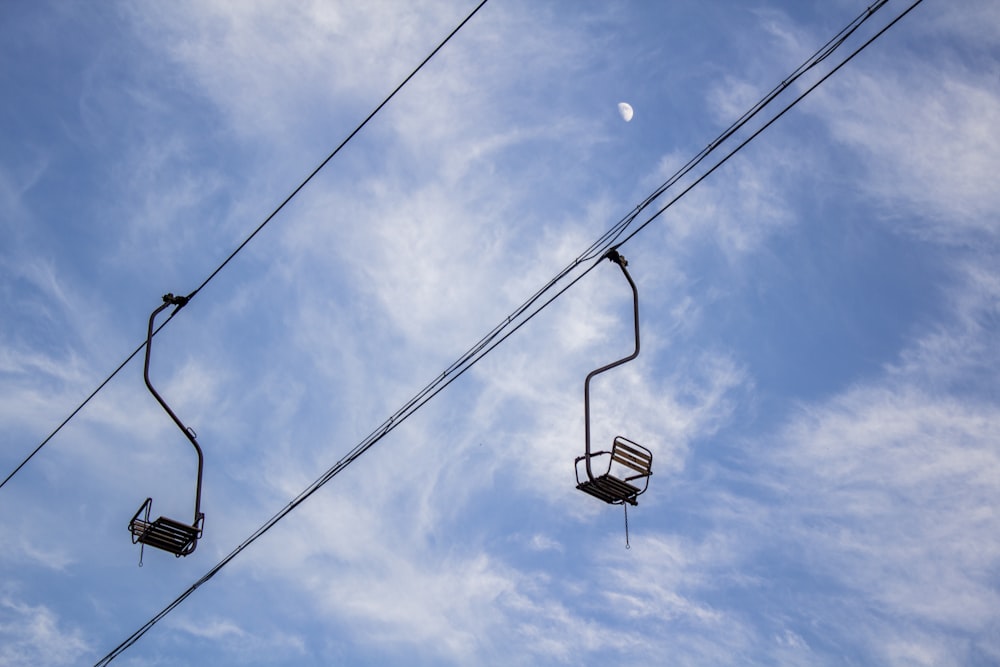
{"points": [[629, 464], [170, 535]]}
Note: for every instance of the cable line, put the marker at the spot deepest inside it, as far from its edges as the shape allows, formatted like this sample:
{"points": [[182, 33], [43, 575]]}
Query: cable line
{"points": [[342, 144], [250, 237], [775, 118], [85, 401], [504, 330], [595, 250], [606, 240], [815, 59]]}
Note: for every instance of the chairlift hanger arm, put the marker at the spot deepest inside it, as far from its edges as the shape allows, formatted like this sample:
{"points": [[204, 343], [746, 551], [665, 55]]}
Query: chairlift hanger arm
{"points": [[615, 257], [179, 302]]}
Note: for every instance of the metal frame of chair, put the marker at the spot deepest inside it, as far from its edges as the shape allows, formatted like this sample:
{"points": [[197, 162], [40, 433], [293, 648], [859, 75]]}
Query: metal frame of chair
{"points": [[627, 460], [170, 535]]}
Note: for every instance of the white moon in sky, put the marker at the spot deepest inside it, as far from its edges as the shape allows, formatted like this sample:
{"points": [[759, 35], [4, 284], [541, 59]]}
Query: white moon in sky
{"points": [[625, 109]]}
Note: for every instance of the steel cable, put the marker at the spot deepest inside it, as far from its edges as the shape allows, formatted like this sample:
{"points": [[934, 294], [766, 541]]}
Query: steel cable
{"points": [[488, 343], [247, 240]]}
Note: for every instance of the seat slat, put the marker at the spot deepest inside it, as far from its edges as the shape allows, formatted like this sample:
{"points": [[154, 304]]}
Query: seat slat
{"points": [[610, 489], [635, 459], [166, 534], [620, 443], [615, 488], [639, 467]]}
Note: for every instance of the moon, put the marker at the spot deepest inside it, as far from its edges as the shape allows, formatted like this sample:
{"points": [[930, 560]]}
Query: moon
{"points": [[625, 109]]}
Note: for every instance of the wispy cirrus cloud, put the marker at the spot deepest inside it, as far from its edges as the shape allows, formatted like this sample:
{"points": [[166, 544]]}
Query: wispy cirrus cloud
{"points": [[35, 635], [804, 536]]}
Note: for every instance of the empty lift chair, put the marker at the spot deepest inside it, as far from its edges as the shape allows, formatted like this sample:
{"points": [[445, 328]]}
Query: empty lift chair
{"points": [[173, 536], [628, 464]]}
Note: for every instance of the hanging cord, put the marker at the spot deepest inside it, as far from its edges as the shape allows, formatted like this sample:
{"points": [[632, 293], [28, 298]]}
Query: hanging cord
{"points": [[627, 545]]}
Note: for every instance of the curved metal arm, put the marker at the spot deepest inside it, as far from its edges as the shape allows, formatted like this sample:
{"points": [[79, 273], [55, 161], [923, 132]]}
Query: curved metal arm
{"points": [[620, 261], [179, 301]]}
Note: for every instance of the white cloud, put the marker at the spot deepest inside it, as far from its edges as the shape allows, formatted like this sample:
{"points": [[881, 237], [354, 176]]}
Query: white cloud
{"points": [[263, 63], [892, 490], [53, 558], [257, 646], [371, 284], [959, 354], [34, 636], [214, 629], [941, 123], [886, 491], [540, 542], [651, 584]]}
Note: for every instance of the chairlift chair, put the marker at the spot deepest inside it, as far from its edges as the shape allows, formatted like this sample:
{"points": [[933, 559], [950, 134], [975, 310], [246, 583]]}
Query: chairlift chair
{"points": [[170, 535], [629, 464]]}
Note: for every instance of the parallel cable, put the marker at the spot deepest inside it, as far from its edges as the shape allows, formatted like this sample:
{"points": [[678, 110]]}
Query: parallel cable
{"points": [[250, 237], [598, 247], [489, 342], [815, 59], [773, 120], [606, 240]]}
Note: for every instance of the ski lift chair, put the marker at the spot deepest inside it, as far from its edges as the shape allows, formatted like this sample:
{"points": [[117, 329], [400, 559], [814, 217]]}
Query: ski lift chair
{"points": [[170, 535], [629, 464]]}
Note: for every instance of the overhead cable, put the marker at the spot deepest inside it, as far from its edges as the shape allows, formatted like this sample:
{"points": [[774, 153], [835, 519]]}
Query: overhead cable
{"points": [[773, 119], [249, 238], [497, 336]]}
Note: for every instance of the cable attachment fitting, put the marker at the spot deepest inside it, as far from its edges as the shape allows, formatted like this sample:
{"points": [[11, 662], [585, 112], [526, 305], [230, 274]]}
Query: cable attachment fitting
{"points": [[178, 301], [616, 258]]}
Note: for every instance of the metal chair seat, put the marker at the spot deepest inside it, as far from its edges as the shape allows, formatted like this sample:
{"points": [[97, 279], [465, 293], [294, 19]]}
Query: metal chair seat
{"points": [[172, 536], [627, 461], [611, 490]]}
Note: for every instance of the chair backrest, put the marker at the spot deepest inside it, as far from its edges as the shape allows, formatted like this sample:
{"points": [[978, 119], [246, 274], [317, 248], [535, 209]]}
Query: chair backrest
{"points": [[632, 455]]}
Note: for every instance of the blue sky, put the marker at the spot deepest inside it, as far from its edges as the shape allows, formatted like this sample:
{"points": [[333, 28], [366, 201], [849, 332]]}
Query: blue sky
{"points": [[818, 379]]}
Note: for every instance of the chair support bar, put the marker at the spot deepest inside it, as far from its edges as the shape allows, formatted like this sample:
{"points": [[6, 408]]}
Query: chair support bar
{"points": [[179, 302], [620, 261]]}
